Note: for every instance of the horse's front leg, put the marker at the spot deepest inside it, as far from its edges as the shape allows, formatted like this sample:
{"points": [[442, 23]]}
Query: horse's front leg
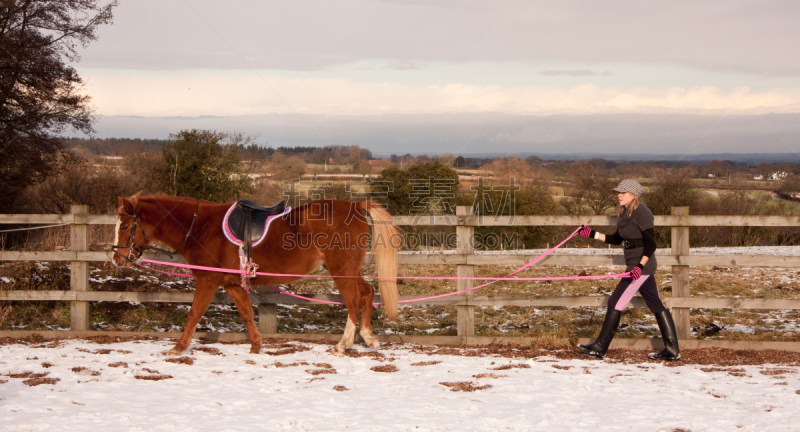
{"points": [[203, 294], [245, 307]]}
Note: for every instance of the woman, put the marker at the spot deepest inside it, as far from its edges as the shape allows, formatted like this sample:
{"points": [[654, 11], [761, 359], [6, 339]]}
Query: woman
{"points": [[635, 233]]}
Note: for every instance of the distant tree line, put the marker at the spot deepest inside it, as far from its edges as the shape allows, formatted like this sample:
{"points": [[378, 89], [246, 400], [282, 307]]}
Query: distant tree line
{"points": [[210, 165], [112, 146]]}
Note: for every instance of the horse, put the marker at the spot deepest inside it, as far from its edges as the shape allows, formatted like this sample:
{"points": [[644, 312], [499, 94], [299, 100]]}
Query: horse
{"points": [[328, 232]]}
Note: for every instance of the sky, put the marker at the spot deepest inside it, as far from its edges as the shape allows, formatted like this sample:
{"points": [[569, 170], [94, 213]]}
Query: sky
{"points": [[461, 77], [303, 387]]}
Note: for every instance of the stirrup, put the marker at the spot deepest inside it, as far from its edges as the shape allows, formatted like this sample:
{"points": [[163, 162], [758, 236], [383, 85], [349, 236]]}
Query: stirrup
{"points": [[246, 265], [250, 270]]}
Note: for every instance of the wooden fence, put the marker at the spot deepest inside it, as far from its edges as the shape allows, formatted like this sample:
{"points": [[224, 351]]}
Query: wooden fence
{"points": [[465, 261]]}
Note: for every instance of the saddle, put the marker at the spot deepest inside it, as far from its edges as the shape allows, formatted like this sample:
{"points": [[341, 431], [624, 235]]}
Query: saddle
{"points": [[245, 225], [247, 221]]}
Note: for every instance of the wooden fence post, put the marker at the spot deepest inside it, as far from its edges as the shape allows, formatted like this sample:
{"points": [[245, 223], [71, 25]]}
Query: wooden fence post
{"points": [[464, 234], [79, 270], [267, 318], [680, 275]]}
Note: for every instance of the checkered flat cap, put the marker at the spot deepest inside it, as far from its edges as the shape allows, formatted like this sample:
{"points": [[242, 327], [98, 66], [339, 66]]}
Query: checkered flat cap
{"points": [[630, 185]]}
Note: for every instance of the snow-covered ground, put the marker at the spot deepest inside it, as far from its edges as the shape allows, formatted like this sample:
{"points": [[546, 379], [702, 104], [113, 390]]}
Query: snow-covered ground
{"points": [[132, 386], [303, 387]]}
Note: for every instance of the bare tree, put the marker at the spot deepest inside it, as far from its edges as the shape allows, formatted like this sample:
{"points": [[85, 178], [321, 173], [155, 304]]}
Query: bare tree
{"points": [[593, 187], [355, 154], [446, 159], [40, 94], [672, 188]]}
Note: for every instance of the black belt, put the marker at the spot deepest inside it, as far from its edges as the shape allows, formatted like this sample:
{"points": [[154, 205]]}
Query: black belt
{"points": [[632, 243]]}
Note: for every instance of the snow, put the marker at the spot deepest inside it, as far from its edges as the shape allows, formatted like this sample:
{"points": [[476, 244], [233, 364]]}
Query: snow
{"points": [[232, 390]]}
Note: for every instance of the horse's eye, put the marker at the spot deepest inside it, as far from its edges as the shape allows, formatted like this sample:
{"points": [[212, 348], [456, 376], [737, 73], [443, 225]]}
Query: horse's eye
{"points": [[124, 227]]}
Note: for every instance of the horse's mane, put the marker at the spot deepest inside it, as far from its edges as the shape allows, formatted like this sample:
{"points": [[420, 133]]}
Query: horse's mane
{"points": [[142, 196]]}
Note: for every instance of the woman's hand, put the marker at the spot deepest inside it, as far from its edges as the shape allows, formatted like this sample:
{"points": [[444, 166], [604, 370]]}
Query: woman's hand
{"points": [[636, 272], [586, 231]]}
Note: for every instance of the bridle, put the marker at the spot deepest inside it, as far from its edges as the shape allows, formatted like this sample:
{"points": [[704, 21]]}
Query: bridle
{"points": [[131, 243]]}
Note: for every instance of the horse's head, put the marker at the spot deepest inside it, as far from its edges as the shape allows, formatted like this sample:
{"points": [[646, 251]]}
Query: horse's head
{"points": [[130, 238]]}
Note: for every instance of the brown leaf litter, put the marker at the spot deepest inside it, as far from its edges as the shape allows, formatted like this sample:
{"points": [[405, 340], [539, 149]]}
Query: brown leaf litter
{"points": [[464, 386]]}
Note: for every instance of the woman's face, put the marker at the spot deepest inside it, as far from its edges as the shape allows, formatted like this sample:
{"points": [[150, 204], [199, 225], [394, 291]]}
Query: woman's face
{"points": [[625, 198]]}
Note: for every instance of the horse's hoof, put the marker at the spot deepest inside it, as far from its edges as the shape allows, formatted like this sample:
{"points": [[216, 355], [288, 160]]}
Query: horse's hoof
{"points": [[374, 344], [255, 350], [174, 352], [338, 351]]}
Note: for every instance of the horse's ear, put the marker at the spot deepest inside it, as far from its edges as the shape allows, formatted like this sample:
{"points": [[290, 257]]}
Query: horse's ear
{"points": [[125, 205]]}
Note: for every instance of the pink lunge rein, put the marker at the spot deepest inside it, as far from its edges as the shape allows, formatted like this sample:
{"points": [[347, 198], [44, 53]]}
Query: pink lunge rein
{"points": [[493, 279]]}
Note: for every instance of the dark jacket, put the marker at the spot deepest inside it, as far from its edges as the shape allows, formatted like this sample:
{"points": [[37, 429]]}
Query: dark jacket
{"points": [[638, 231]]}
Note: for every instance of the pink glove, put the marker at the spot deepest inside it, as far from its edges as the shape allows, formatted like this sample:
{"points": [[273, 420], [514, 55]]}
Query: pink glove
{"points": [[636, 272], [585, 231]]}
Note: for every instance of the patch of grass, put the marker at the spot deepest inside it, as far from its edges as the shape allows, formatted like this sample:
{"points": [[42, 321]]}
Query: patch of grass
{"points": [[178, 317], [422, 320], [101, 316], [30, 275], [312, 319], [41, 315]]}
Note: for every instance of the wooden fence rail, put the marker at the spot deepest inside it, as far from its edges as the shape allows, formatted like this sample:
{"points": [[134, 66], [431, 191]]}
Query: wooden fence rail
{"points": [[464, 259]]}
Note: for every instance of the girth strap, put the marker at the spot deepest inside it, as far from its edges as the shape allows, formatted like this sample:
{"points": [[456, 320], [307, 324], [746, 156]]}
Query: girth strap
{"points": [[189, 231], [248, 227]]}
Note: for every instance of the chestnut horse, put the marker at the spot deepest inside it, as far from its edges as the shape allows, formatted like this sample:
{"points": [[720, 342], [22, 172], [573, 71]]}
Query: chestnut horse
{"points": [[328, 232]]}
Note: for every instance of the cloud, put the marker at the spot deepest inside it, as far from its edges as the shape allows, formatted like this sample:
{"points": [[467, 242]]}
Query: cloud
{"points": [[404, 65], [230, 93], [721, 35], [576, 72]]}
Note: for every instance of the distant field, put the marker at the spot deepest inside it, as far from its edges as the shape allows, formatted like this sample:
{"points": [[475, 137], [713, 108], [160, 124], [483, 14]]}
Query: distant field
{"points": [[329, 169]]}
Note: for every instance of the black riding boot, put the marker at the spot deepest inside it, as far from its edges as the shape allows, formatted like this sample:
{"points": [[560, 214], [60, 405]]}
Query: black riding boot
{"points": [[667, 326], [600, 345]]}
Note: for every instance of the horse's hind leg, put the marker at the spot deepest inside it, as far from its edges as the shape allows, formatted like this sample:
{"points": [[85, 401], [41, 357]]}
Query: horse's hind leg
{"points": [[366, 314], [349, 292], [203, 294], [245, 307]]}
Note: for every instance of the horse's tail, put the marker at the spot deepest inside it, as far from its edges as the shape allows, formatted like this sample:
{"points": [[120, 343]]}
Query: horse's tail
{"points": [[386, 240]]}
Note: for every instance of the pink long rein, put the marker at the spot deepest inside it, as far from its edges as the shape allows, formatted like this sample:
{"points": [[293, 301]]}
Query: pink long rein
{"points": [[493, 279]]}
